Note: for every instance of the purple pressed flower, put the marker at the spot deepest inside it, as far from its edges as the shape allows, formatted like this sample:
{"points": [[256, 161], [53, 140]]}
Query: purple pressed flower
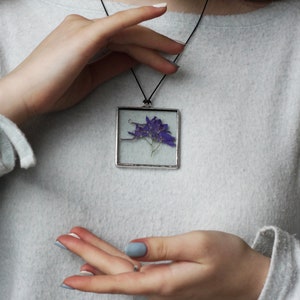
{"points": [[155, 131]]}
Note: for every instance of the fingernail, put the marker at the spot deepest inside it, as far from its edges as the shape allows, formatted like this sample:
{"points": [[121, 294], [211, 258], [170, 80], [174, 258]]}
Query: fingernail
{"points": [[173, 63], [160, 5], [60, 245], [180, 42], [86, 273], [66, 287], [136, 249], [74, 235]]}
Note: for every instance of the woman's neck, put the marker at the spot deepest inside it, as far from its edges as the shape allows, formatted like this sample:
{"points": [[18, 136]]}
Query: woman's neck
{"points": [[214, 7]]}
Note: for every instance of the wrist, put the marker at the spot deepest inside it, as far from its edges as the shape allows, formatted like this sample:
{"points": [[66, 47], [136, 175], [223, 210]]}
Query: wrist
{"points": [[260, 268], [12, 104]]}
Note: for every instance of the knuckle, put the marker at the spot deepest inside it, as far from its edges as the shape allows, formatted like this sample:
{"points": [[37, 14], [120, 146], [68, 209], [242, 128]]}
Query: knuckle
{"points": [[205, 243], [161, 249], [71, 18], [74, 19]]}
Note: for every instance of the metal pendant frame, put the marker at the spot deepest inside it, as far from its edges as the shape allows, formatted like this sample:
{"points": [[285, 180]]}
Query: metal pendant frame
{"points": [[147, 137]]}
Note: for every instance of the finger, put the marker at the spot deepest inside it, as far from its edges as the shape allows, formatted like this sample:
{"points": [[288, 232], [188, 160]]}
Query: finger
{"points": [[94, 240], [93, 75], [193, 246], [147, 38], [155, 279], [113, 64], [107, 27], [127, 283], [96, 257], [148, 57]]}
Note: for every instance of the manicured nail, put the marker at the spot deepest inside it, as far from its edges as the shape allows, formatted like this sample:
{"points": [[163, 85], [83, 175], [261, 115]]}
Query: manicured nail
{"points": [[180, 42], [74, 235], [173, 63], [136, 249], [86, 273], [60, 245], [66, 287], [158, 5]]}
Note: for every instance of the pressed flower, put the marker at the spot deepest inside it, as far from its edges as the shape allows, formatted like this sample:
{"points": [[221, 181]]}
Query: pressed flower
{"points": [[155, 132]]}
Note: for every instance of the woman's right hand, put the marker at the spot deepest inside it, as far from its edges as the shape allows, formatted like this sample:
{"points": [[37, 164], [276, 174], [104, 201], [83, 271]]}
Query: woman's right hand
{"points": [[59, 72]]}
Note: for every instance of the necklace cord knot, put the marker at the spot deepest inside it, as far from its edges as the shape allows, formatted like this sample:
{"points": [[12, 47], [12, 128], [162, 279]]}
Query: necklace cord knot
{"points": [[147, 103]]}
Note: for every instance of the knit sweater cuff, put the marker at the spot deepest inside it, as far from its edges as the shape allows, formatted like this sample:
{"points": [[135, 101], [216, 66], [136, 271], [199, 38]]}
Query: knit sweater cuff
{"points": [[12, 143], [282, 282]]}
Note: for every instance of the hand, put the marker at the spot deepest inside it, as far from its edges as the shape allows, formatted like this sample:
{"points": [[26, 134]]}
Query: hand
{"points": [[204, 265], [59, 72]]}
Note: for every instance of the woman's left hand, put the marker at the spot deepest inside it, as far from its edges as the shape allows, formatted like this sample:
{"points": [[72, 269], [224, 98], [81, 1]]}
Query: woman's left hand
{"points": [[197, 265]]}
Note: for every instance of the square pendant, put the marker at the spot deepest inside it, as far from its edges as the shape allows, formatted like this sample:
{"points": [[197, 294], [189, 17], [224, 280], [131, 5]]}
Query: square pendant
{"points": [[147, 138]]}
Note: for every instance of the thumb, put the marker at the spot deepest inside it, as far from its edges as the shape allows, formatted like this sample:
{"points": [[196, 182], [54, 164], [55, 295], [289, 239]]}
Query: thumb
{"points": [[177, 248]]}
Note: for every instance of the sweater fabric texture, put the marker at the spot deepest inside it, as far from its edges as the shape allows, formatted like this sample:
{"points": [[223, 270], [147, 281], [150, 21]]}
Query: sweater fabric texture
{"points": [[238, 93]]}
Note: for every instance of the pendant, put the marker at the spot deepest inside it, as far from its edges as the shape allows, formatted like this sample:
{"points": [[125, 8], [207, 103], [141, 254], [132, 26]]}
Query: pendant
{"points": [[147, 137]]}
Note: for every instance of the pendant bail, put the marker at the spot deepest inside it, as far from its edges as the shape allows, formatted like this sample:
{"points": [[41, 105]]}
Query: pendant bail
{"points": [[147, 103]]}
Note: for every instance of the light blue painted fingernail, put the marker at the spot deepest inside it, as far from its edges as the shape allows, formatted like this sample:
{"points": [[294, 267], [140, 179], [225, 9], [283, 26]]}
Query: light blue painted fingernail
{"points": [[60, 245], [64, 286], [136, 249]]}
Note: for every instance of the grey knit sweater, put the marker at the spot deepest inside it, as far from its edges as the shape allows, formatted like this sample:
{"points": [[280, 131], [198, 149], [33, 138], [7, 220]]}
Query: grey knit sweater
{"points": [[239, 95]]}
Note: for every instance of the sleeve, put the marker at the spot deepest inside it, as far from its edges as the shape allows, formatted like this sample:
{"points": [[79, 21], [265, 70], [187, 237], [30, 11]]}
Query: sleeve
{"points": [[13, 144], [283, 281]]}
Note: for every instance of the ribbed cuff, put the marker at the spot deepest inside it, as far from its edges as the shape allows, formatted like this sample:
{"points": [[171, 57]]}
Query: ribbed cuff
{"points": [[282, 282], [13, 141]]}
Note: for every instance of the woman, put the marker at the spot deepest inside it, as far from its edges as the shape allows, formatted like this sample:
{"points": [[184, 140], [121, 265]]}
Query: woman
{"points": [[238, 96]]}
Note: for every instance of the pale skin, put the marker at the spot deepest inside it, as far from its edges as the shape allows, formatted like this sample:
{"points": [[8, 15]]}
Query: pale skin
{"points": [[71, 77], [215, 7], [206, 264]]}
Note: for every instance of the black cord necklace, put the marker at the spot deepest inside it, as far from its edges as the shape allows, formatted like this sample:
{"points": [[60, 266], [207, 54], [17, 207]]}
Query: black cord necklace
{"points": [[145, 136], [147, 100]]}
